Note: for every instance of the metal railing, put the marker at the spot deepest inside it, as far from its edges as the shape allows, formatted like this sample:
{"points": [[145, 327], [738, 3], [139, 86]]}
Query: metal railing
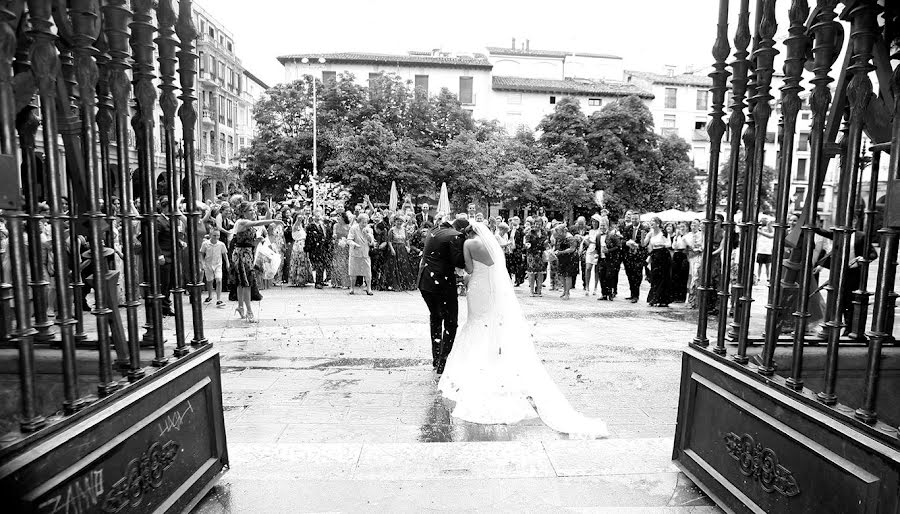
{"points": [[71, 80], [852, 317]]}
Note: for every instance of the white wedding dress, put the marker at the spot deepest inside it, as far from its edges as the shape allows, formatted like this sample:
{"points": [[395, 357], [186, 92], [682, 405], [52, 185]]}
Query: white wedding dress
{"points": [[493, 372]]}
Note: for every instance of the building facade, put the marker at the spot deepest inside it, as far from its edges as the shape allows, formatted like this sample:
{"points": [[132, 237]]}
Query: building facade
{"points": [[226, 93], [517, 86]]}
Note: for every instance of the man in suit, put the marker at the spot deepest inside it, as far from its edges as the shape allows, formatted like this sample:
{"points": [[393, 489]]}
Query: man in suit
{"points": [[633, 254], [424, 215], [316, 247], [437, 283], [517, 235]]}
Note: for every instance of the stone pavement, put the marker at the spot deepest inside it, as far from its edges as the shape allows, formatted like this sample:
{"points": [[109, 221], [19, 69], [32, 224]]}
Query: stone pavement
{"points": [[331, 405]]}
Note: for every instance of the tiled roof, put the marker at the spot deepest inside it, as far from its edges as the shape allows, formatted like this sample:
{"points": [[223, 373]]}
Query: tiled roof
{"points": [[499, 50], [570, 86], [393, 59], [684, 79]]}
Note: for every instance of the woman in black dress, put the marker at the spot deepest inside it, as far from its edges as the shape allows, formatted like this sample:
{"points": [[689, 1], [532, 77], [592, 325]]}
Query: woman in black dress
{"points": [[565, 249], [659, 244], [680, 269]]}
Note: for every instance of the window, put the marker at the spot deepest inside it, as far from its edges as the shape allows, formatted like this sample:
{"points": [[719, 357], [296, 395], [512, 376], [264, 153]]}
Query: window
{"points": [[212, 33], [222, 72], [552, 100], [801, 169], [671, 94], [669, 125], [465, 90], [799, 195], [699, 125], [421, 86], [803, 145], [222, 147], [228, 45], [595, 102], [222, 106], [702, 99], [514, 98], [329, 78], [230, 110], [230, 147], [202, 63]]}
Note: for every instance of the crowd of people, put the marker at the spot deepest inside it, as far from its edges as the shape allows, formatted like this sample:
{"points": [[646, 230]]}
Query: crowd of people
{"points": [[370, 249]]}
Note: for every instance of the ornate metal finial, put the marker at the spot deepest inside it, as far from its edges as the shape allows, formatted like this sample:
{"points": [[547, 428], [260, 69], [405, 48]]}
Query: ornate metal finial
{"points": [[166, 43], [43, 56], [716, 130]]}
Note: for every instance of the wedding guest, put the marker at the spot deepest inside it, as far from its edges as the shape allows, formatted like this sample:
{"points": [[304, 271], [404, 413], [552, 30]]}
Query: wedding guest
{"points": [[580, 230], [214, 256], [537, 241], [316, 247], [565, 250], [517, 236], [764, 239], [340, 274], [401, 274], [360, 240], [681, 271], [287, 217], [424, 215], [634, 254], [588, 251], [658, 243], [417, 244], [609, 250], [694, 241], [243, 271], [301, 269], [507, 245]]}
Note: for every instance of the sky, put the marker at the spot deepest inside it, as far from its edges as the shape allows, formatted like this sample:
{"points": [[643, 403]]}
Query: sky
{"points": [[648, 34]]}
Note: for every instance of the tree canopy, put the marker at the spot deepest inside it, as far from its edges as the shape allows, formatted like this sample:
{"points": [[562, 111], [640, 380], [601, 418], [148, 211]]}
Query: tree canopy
{"points": [[372, 135]]}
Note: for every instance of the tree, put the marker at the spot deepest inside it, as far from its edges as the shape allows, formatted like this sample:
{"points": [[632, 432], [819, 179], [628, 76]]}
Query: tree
{"points": [[469, 167], [563, 185], [766, 193], [280, 155], [635, 167], [368, 161], [563, 131]]}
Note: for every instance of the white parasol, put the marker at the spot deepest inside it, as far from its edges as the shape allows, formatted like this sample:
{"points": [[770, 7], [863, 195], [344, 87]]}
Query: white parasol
{"points": [[443, 205], [392, 203]]}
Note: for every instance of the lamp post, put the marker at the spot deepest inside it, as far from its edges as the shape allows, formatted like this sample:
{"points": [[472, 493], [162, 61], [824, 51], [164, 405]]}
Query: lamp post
{"points": [[315, 170]]}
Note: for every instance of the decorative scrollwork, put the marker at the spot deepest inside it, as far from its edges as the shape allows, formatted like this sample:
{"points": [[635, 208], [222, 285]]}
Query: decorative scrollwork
{"points": [[143, 474], [761, 464]]}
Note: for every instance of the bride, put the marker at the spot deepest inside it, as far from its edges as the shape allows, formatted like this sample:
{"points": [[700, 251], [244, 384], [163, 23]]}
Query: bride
{"points": [[493, 372]]}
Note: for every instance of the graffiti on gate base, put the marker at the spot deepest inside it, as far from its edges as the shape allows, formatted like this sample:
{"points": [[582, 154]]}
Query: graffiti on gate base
{"points": [[144, 474], [175, 420], [81, 495]]}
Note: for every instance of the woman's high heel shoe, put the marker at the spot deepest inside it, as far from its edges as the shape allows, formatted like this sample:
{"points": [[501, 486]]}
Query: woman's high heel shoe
{"points": [[240, 311]]}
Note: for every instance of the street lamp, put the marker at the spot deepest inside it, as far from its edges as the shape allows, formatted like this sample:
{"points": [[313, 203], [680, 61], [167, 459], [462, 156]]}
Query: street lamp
{"points": [[315, 170]]}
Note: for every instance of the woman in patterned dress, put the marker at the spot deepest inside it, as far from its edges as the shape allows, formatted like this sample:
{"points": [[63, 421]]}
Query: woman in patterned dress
{"points": [[537, 240], [403, 278], [301, 268], [243, 271]]}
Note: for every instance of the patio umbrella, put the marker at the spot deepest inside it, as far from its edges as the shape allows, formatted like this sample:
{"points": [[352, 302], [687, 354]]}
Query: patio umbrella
{"points": [[392, 203], [443, 205]]}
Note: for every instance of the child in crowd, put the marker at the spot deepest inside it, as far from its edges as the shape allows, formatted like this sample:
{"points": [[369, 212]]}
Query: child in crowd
{"points": [[215, 257]]}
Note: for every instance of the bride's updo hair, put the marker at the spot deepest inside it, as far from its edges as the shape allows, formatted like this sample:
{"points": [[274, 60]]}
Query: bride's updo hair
{"points": [[469, 231]]}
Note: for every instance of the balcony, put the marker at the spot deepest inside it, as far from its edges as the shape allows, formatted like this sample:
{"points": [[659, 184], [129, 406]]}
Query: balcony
{"points": [[700, 135], [207, 79], [208, 117]]}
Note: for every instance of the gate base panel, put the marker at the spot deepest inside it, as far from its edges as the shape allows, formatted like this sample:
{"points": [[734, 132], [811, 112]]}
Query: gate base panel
{"points": [[753, 448], [157, 446]]}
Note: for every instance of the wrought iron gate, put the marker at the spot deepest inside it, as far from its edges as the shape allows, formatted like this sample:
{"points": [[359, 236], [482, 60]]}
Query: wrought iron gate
{"points": [[794, 421], [99, 412]]}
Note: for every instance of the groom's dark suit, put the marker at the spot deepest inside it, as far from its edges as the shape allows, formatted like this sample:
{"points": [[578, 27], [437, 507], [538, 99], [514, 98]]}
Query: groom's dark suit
{"points": [[437, 283]]}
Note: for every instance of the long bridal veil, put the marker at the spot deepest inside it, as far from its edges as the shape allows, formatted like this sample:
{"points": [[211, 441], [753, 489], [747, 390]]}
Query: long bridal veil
{"points": [[519, 368]]}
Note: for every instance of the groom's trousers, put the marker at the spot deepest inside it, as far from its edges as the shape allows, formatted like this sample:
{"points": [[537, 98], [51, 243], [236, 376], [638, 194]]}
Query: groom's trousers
{"points": [[444, 309]]}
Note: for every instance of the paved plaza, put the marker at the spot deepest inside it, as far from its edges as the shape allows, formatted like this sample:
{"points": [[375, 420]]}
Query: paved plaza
{"points": [[331, 405]]}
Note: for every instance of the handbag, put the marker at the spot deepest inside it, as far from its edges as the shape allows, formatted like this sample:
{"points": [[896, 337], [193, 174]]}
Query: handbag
{"points": [[549, 256]]}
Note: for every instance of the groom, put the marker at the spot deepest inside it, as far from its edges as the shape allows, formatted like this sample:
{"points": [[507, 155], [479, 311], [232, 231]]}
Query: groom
{"points": [[437, 283]]}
